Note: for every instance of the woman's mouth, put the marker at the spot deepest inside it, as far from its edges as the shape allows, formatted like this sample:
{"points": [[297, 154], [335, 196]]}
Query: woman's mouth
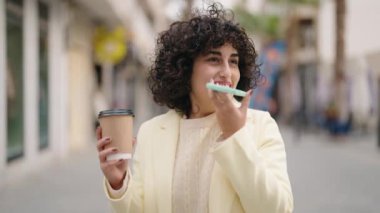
{"points": [[223, 83]]}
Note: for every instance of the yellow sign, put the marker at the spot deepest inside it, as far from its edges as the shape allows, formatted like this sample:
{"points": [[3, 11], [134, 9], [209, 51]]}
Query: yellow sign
{"points": [[110, 46]]}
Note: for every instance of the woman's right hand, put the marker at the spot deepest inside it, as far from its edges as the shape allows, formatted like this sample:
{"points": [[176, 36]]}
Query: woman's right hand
{"points": [[114, 170]]}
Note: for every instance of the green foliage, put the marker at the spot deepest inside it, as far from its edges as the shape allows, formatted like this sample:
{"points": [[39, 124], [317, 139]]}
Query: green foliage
{"points": [[249, 21], [266, 25], [310, 2]]}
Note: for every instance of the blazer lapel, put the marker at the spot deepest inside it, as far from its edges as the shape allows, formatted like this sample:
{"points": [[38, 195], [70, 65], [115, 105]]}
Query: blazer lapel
{"points": [[221, 190], [165, 150]]}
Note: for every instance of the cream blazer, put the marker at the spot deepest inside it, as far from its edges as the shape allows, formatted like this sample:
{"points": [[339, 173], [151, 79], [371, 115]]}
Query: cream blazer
{"points": [[249, 173]]}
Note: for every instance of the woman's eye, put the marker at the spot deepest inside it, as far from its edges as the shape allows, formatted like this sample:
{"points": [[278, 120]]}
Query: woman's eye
{"points": [[213, 59], [235, 62]]}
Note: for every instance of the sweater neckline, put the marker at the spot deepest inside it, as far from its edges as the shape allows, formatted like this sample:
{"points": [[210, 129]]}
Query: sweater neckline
{"points": [[202, 122]]}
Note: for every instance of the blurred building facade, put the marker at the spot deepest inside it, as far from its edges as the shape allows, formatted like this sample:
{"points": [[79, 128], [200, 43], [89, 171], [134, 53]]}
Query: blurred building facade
{"points": [[312, 47], [52, 85], [301, 66], [362, 72], [306, 88]]}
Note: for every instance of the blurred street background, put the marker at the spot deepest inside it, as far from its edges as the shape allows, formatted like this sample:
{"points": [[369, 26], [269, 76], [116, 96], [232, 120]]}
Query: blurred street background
{"points": [[62, 61]]}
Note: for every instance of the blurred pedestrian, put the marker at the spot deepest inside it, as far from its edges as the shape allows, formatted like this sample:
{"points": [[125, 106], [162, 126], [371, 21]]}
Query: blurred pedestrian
{"points": [[209, 153]]}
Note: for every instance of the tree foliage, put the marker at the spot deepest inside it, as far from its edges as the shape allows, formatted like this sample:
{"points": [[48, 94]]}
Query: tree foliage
{"points": [[308, 2], [266, 25]]}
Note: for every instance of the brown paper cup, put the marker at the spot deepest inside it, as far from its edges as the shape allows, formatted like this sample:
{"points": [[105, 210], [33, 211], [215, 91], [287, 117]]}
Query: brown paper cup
{"points": [[118, 124]]}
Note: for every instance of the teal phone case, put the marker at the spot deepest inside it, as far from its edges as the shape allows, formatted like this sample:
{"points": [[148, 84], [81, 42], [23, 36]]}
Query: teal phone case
{"points": [[225, 89]]}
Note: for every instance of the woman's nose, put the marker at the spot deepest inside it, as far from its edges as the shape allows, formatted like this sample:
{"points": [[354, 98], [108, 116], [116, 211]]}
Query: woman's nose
{"points": [[225, 70]]}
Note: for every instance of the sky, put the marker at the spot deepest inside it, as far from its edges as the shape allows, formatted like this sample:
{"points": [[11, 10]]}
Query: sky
{"points": [[174, 6]]}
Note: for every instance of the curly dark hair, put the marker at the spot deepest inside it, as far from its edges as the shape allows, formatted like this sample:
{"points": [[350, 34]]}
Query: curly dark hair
{"points": [[170, 75]]}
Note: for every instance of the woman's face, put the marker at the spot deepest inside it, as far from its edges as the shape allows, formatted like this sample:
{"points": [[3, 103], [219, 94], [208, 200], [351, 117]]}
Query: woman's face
{"points": [[221, 66]]}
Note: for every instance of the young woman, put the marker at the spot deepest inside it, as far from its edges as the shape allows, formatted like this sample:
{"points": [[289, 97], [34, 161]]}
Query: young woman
{"points": [[209, 153]]}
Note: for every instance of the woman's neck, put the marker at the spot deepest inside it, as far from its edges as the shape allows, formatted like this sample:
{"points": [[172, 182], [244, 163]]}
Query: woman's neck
{"points": [[200, 114], [199, 111]]}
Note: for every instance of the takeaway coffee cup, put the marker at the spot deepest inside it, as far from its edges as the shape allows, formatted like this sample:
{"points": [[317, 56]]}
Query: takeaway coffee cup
{"points": [[118, 124]]}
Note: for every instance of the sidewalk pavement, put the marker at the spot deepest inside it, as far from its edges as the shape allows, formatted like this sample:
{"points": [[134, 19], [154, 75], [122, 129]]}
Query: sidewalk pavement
{"points": [[333, 175], [69, 186], [327, 175]]}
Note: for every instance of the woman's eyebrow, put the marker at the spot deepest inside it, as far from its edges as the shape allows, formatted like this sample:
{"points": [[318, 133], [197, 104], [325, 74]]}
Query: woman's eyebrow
{"points": [[215, 52]]}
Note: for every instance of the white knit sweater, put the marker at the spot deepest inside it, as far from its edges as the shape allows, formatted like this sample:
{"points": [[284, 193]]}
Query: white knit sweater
{"points": [[193, 164]]}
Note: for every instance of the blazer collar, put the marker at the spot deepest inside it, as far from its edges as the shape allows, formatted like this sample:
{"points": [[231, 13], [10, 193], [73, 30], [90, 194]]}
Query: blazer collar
{"points": [[170, 119], [167, 146]]}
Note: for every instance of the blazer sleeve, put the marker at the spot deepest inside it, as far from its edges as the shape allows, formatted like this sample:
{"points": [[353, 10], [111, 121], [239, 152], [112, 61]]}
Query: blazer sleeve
{"points": [[133, 198], [258, 173]]}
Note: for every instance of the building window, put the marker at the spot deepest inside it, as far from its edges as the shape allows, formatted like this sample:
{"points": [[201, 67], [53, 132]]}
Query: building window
{"points": [[43, 13], [306, 33], [15, 85]]}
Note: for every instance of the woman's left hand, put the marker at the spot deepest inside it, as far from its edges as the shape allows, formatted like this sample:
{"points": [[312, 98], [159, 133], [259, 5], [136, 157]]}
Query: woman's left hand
{"points": [[230, 118]]}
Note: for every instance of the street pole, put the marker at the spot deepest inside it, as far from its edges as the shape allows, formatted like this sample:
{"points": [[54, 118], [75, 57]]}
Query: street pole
{"points": [[378, 112], [107, 84]]}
